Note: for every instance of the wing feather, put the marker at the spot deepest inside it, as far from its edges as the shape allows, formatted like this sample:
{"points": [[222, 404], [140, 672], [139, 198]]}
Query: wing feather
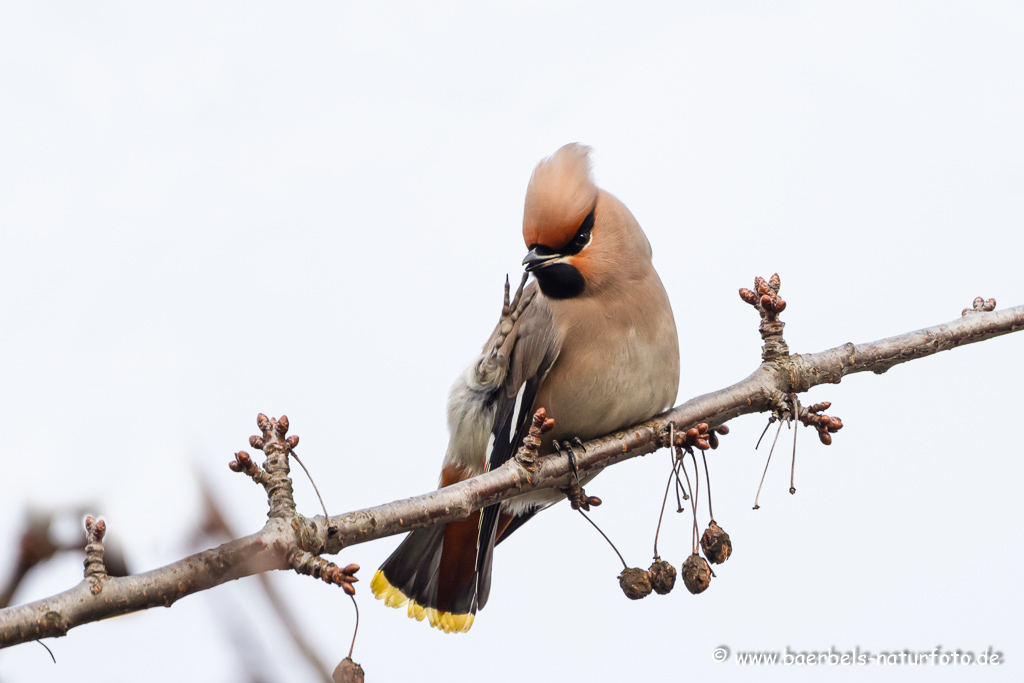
{"points": [[535, 349]]}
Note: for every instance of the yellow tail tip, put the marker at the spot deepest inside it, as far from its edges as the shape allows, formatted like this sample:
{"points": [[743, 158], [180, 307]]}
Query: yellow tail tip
{"points": [[393, 597]]}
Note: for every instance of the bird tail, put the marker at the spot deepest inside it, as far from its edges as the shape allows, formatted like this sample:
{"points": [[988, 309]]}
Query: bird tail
{"points": [[434, 572]]}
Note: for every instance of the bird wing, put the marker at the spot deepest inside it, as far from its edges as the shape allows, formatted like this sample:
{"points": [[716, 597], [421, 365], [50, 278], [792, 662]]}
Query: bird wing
{"points": [[535, 346]]}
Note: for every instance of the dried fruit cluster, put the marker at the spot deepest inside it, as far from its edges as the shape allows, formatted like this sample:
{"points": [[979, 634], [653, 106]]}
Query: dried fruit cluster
{"points": [[696, 571], [637, 583]]}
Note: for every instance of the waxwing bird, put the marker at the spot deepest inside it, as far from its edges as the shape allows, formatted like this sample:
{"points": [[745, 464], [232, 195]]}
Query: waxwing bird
{"points": [[591, 338]]}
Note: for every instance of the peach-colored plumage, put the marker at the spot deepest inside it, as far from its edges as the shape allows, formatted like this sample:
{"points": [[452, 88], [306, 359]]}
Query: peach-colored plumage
{"points": [[592, 340], [560, 195]]}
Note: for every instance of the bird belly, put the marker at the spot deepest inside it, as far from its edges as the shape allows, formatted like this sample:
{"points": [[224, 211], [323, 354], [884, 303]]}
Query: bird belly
{"points": [[470, 420], [638, 378]]}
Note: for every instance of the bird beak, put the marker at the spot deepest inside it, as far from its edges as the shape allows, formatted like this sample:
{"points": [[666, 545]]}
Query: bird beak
{"points": [[533, 260]]}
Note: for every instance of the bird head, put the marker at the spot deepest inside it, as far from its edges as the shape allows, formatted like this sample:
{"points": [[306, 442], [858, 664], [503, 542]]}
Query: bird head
{"points": [[580, 238]]}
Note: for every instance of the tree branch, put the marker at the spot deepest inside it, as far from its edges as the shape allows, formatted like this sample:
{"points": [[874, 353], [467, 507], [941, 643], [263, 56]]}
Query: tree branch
{"points": [[760, 392], [285, 534]]}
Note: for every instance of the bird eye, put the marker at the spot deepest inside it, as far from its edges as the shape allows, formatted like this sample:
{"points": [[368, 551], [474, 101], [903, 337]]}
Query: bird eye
{"points": [[582, 239]]}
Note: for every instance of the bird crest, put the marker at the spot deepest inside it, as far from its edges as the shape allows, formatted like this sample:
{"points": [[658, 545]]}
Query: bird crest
{"points": [[560, 195]]}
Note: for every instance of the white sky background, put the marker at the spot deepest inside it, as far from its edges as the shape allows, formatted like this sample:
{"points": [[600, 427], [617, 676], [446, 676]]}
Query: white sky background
{"points": [[212, 211]]}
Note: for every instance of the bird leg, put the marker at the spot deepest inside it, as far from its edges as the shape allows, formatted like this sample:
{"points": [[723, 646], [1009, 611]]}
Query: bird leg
{"points": [[490, 371], [578, 498], [530, 450]]}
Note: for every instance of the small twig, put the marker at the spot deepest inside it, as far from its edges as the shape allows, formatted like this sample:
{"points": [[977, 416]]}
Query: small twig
{"points": [[244, 463], [94, 567], [309, 564], [766, 300], [276, 447], [826, 425]]}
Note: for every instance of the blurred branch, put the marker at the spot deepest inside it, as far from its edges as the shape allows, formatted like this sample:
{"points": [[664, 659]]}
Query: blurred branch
{"points": [[36, 546], [289, 540], [214, 523]]}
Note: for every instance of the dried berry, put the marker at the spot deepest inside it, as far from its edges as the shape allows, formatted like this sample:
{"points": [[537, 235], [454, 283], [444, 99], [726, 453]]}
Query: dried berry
{"points": [[696, 574], [716, 544], [635, 583], [663, 577], [348, 672]]}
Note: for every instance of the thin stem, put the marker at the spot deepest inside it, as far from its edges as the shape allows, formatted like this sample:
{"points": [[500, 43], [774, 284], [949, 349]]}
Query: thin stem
{"points": [[696, 498], [356, 629], [693, 503], [662, 513], [624, 565], [315, 489], [48, 651], [796, 430], [765, 431], [679, 487], [707, 476], [768, 462]]}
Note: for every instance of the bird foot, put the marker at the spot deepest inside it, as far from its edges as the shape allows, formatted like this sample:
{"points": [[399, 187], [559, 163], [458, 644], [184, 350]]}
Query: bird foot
{"points": [[530, 450], [490, 372], [578, 498]]}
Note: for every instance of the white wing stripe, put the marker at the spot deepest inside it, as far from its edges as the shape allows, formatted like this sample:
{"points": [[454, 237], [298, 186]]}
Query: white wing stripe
{"points": [[515, 413], [487, 456]]}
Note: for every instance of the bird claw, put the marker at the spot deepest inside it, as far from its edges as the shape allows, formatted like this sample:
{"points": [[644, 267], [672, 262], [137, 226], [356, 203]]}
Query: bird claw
{"points": [[490, 372], [578, 498]]}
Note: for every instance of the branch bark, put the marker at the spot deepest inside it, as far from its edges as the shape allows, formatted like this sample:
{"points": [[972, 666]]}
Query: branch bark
{"points": [[100, 597]]}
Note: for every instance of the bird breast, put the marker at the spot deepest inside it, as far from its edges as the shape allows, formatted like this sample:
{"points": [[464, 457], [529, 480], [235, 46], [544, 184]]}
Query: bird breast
{"points": [[619, 363]]}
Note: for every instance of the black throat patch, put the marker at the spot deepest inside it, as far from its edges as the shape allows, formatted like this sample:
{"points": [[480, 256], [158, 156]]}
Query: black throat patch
{"points": [[560, 281]]}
